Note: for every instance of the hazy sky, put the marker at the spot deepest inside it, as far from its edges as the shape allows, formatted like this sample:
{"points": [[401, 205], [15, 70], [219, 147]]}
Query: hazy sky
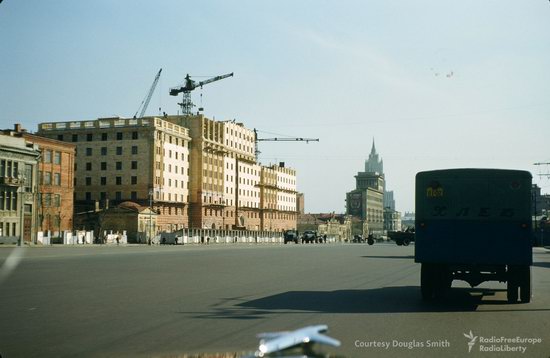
{"points": [[437, 84]]}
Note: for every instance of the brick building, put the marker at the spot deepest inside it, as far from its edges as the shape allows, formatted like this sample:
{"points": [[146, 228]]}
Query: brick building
{"points": [[144, 160]]}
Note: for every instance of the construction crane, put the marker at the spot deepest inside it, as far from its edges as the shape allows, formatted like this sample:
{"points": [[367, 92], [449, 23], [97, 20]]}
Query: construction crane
{"points": [[145, 103], [189, 85], [543, 175], [284, 139]]}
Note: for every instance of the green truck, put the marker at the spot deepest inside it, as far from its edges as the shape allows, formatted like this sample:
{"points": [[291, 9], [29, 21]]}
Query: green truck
{"points": [[474, 225]]}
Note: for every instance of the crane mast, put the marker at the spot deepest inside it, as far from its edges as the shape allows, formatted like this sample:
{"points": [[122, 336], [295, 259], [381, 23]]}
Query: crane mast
{"points": [[145, 103], [190, 85]]}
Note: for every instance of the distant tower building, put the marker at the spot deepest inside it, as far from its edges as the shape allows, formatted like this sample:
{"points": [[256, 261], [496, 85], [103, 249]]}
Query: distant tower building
{"points": [[373, 164], [370, 201]]}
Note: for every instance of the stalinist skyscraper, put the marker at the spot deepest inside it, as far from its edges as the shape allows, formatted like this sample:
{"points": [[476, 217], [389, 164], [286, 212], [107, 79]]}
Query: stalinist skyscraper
{"points": [[373, 164], [376, 165]]}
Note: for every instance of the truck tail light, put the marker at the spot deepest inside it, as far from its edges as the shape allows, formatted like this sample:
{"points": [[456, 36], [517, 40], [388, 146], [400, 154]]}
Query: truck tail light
{"points": [[524, 226]]}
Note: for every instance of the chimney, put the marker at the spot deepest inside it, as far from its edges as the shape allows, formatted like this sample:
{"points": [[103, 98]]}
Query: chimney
{"points": [[17, 127]]}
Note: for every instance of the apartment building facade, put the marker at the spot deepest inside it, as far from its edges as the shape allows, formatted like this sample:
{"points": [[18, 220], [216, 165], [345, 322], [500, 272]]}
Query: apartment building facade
{"points": [[229, 189], [18, 188], [142, 160]]}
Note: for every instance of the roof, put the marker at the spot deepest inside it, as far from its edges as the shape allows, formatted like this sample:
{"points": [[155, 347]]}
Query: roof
{"points": [[130, 205]]}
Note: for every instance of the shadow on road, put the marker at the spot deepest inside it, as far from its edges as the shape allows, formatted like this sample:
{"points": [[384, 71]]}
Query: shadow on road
{"points": [[542, 264], [380, 300], [406, 257]]}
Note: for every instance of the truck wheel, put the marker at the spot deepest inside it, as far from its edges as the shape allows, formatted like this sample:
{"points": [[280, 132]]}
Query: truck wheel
{"points": [[399, 243], [525, 284], [512, 292], [427, 282], [512, 285], [406, 242], [371, 242]]}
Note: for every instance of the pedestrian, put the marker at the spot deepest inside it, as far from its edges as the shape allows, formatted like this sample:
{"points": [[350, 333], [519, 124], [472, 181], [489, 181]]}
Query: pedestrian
{"points": [[117, 240], [176, 240], [325, 238], [208, 240], [202, 239]]}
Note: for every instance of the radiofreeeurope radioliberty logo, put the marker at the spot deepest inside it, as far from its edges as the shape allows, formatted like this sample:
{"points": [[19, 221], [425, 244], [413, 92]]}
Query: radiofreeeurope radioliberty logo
{"points": [[501, 344], [472, 341]]}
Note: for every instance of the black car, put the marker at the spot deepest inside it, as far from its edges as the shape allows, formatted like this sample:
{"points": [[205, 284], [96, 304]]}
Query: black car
{"points": [[309, 237], [291, 235]]}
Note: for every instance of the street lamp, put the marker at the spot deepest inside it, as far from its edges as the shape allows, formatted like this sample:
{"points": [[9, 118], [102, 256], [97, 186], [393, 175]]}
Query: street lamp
{"points": [[151, 192]]}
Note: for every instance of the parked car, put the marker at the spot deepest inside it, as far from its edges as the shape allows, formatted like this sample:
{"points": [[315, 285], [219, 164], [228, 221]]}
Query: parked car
{"points": [[291, 236]]}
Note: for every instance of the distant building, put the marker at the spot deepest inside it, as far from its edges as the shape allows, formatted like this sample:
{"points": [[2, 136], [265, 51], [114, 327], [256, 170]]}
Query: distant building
{"points": [[339, 226], [300, 203], [18, 188], [143, 160], [392, 220], [366, 201], [139, 222], [194, 172], [407, 220], [55, 192]]}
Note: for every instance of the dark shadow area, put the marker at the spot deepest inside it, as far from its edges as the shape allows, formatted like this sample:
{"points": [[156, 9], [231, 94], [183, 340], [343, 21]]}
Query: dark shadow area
{"points": [[407, 257], [380, 300], [542, 264]]}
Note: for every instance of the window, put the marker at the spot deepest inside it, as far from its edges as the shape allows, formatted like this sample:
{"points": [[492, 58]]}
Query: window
{"points": [[103, 180], [75, 138], [88, 166], [118, 195], [134, 164], [118, 150], [103, 137], [57, 158], [134, 180], [103, 150], [134, 135], [48, 200], [134, 149], [103, 165], [57, 200], [47, 178], [88, 196], [118, 165], [103, 196], [47, 156], [118, 180], [57, 179], [60, 137], [88, 181], [119, 136], [89, 152], [133, 195], [89, 137]]}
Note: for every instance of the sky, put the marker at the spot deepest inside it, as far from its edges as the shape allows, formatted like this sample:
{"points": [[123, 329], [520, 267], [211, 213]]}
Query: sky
{"points": [[436, 84]]}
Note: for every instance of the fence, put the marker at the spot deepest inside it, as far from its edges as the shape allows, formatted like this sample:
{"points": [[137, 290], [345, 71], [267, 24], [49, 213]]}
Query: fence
{"points": [[212, 236]]}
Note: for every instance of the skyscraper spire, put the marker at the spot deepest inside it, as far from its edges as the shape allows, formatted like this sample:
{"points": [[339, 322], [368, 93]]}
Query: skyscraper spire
{"points": [[373, 150]]}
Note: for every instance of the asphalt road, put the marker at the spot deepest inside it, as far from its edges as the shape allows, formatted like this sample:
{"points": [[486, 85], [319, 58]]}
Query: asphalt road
{"points": [[169, 301]]}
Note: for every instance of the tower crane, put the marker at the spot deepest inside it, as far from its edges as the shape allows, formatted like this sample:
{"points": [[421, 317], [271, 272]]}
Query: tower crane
{"points": [[188, 86], [284, 139], [541, 175], [145, 103]]}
